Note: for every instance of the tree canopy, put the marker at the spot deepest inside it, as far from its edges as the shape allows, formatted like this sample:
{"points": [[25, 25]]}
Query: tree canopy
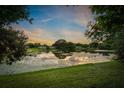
{"points": [[108, 25], [12, 42], [64, 46]]}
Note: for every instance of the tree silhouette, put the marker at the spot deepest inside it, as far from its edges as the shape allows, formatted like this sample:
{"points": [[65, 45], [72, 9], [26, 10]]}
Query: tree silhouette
{"points": [[108, 26], [62, 45], [12, 42]]}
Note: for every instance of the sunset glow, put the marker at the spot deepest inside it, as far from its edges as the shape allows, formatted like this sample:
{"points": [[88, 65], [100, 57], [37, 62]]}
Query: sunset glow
{"points": [[57, 22]]}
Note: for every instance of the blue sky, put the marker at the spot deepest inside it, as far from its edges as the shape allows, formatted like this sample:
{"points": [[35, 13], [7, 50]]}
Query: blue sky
{"points": [[57, 22]]}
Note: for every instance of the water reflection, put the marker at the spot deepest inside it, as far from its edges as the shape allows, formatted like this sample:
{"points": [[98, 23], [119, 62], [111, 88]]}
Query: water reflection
{"points": [[62, 55], [52, 60]]}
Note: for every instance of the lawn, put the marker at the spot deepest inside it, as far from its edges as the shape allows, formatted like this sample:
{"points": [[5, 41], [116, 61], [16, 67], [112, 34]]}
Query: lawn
{"points": [[109, 74], [33, 51]]}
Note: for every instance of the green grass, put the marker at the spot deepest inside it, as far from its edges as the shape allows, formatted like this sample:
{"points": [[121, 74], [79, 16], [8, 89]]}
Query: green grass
{"points": [[109, 74], [33, 50]]}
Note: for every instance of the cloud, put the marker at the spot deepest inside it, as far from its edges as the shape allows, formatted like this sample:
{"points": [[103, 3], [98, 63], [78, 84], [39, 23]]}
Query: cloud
{"points": [[45, 34], [49, 37], [74, 36], [76, 14], [83, 15], [46, 20], [36, 35], [80, 15]]}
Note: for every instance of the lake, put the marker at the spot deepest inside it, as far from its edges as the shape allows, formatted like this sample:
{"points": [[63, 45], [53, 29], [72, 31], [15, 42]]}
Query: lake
{"points": [[52, 60]]}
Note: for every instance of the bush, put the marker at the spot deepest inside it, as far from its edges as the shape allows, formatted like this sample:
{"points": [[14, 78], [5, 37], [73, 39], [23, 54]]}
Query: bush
{"points": [[12, 45], [119, 46]]}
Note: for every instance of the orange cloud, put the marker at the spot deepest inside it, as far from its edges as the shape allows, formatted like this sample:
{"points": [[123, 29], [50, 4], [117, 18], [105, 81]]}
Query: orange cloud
{"points": [[75, 36], [49, 37]]}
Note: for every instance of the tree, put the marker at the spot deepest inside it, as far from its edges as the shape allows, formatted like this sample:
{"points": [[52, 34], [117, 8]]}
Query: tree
{"points": [[108, 24], [13, 14], [12, 45], [33, 45], [62, 45], [60, 41], [12, 42], [93, 45]]}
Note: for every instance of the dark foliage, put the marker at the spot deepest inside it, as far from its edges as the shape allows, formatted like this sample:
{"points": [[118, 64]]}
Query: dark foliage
{"points": [[108, 26], [12, 42], [62, 45]]}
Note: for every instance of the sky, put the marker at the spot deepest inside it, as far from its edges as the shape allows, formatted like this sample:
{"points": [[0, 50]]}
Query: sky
{"points": [[57, 22]]}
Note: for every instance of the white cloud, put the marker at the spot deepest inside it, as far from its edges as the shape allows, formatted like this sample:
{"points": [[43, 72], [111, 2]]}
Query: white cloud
{"points": [[49, 37], [72, 36], [46, 20], [78, 14]]}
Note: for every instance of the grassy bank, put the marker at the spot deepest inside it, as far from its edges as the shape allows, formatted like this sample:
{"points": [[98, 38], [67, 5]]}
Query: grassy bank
{"points": [[110, 74]]}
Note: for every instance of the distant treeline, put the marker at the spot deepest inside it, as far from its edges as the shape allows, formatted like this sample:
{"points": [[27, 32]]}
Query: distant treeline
{"points": [[64, 46]]}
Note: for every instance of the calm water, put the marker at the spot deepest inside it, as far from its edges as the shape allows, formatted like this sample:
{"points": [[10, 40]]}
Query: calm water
{"points": [[49, 60]]}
